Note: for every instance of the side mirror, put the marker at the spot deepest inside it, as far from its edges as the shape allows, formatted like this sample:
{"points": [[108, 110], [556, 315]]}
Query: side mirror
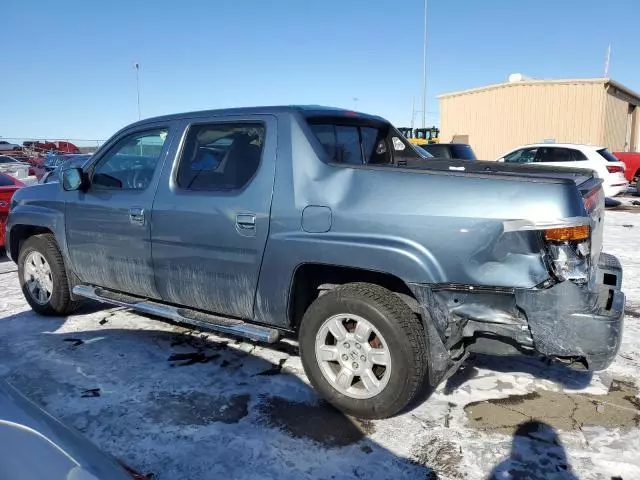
{"points": [[500, 160], [72, 179]]}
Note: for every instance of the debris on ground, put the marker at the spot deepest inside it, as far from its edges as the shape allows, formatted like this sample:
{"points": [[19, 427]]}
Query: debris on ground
{"points": [[92, 392]]}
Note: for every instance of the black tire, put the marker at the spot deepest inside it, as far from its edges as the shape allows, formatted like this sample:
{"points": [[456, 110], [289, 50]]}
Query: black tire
{"points": [[60, 303], [399, 326]]}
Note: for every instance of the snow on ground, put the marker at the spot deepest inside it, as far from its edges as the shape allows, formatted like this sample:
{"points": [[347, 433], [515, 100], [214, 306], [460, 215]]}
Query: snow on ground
{"points": [[186, 405]]}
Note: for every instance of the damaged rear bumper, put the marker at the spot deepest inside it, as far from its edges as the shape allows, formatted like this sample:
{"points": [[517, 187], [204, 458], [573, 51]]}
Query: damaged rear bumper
{"points": [[576, 322]]}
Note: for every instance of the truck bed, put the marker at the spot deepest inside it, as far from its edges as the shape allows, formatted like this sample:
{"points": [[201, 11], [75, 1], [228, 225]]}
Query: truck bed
{"points": [[490, 168]]}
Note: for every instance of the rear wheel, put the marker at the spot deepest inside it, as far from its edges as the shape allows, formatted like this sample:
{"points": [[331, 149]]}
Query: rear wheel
{"points": [[43, 277], [364, 350]]}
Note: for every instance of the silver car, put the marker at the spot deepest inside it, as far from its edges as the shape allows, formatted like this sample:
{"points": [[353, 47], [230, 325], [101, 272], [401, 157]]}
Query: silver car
{"points": [[36, 446]]}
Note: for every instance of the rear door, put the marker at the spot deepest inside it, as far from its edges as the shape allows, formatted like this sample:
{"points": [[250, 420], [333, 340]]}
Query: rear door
{"points": [[211, 214], [108, 226]]}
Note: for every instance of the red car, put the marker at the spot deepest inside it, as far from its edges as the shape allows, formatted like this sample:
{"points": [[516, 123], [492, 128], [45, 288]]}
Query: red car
{"points": [[8, 186], [632, 161]]}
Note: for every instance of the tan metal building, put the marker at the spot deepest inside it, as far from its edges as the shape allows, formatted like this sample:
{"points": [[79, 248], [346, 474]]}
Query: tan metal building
{"points": [[497, 118]]}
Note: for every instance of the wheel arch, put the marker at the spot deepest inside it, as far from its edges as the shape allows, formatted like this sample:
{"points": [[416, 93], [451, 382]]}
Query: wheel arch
{"points": [[21, 232], [309, 279]]}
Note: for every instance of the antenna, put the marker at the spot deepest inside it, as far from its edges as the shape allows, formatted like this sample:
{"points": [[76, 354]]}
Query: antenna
{"points": [[424, 71], [413, 112], [136, 67], [606, 62]]}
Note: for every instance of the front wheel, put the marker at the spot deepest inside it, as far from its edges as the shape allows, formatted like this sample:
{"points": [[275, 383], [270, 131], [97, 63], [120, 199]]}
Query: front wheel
{"points": [[364, 350], [43, 277]]}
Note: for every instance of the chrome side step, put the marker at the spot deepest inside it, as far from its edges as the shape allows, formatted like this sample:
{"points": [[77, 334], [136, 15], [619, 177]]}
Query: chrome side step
{"points": [[187, 316]]}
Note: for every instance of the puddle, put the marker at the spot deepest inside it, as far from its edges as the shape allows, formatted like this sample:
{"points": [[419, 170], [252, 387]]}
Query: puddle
{"points": [[318, 422], [619, 408], [196, 408]]}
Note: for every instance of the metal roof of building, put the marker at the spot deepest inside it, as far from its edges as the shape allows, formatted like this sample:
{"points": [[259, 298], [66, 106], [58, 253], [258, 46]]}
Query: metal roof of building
{"points": [[573, 81]]}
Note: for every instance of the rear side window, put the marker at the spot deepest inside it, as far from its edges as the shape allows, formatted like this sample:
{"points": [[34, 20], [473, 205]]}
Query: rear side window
{"points": [[608, 156], [353, 144], [220, 157], [578, 156]]}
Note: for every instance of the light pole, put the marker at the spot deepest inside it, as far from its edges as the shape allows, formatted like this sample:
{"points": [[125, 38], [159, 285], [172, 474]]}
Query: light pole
{"points": [[424, 71], [355, 103], [136, 66]]}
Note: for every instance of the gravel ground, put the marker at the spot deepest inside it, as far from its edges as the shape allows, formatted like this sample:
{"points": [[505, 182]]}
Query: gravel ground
{"points": [[186, 405]]}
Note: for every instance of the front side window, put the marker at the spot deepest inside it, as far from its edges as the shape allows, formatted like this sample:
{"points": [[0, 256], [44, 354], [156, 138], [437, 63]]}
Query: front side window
{"points": [[131, 163], [220, 157], [525, 155]]}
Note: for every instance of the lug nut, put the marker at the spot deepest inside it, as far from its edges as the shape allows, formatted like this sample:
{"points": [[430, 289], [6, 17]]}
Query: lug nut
{"points": [[345, 357], [363, 358], [355, 365], [358, 346], [346, 345]]}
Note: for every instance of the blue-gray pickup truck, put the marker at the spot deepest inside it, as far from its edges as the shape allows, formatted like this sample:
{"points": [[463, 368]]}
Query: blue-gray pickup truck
{"points": [[327, 225]]}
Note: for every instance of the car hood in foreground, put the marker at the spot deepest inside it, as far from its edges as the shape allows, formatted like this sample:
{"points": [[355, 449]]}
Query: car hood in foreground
{"points": [[36, 446]]}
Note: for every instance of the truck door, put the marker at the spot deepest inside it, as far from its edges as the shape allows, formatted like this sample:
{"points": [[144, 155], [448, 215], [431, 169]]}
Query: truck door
{"points": [[211, 214], [108, 226]]}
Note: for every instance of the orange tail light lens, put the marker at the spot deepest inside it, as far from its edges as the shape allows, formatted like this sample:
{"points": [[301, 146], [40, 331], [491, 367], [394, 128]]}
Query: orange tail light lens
{"points": [[566, 234]]}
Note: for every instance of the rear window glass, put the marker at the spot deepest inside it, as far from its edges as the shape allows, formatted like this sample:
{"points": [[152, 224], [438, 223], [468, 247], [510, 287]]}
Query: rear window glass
{"points": [[608, 156], [462, 152], [353, 144], [458, 151]]}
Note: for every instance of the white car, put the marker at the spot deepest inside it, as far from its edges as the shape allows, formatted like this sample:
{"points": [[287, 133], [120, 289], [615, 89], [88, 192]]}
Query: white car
{"points": [[570, 155]]}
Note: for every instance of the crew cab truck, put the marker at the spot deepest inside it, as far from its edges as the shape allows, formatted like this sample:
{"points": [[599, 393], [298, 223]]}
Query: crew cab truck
{"points": [[327, 225]]}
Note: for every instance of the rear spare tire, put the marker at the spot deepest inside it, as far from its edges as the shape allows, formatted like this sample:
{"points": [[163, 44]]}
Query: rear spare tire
{"points": [[364, 350], [43, 277]]}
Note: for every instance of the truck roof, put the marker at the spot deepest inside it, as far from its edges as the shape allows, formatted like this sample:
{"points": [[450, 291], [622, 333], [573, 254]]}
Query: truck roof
{"points": [[306, 110]]}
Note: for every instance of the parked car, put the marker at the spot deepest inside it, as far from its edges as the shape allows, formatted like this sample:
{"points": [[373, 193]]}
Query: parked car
{"points": [[632, 171], [8, 186], [186, 217], [36, 446], [15, 167], [67, 147], [458, 151], [570, 155], [52, 162], [77, 161], [9, 147], [40, 146]]}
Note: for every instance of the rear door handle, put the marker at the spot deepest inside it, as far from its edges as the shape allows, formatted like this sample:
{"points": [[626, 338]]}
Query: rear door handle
{"points": [[136, 215], [246, 224]]}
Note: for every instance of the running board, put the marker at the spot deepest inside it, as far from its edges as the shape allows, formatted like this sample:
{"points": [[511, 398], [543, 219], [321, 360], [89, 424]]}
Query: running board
{"points": [[187, 316]]}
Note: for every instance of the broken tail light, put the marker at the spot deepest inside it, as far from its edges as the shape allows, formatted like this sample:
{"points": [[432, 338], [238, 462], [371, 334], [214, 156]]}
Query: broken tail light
{"points": [[569, 251]]}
